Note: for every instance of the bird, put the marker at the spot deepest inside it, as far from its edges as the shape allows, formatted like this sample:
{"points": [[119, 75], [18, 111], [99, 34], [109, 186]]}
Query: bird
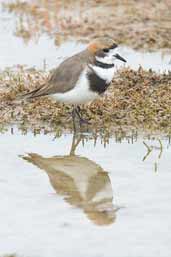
{"points": [[83, 77]]}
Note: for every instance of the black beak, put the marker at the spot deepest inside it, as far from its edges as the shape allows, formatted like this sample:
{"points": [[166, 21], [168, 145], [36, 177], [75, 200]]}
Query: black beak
{"points": [[117, 56]]}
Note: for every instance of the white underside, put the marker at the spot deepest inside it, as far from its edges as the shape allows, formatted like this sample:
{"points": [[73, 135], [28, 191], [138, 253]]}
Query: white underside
{"points": [[80, 94], [106, 74]]}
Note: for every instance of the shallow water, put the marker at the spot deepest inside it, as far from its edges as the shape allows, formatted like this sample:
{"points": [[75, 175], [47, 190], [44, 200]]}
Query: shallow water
{"points": [[42, 53], [62, 196]]}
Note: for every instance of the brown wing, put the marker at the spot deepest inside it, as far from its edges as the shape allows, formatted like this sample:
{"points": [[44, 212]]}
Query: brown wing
{"points": [[63, 77]]}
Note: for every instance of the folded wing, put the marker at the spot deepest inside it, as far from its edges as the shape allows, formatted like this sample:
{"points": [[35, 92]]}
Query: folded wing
{"points": [[63, 78]]}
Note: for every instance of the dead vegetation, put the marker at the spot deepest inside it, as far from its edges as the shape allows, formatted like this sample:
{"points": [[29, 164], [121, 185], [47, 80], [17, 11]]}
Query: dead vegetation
{"points": [[137, 100]]}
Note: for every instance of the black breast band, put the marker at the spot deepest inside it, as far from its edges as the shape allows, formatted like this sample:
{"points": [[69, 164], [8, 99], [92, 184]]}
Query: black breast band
{"points": [[96, 83], [103, 65]]}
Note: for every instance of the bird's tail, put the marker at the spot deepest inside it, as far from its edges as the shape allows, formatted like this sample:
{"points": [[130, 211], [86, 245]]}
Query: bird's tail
{"points": [[28, 95]]}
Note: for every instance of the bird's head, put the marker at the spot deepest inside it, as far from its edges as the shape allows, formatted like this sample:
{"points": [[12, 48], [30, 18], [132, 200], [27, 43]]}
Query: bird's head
{"points": [[105, 48]]}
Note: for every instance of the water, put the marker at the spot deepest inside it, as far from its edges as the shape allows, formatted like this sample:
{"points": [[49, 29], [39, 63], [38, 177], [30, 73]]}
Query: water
{"points": [[60, 197], [37, 52]]}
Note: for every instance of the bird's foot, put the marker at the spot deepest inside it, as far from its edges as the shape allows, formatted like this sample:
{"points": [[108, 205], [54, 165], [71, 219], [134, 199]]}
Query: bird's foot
{"points": [[84, 121], [76, 114]]}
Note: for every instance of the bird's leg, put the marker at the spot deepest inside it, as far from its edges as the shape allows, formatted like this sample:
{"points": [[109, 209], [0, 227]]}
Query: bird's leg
{"points": [[73, 118], [76, 114], [81, 119]]}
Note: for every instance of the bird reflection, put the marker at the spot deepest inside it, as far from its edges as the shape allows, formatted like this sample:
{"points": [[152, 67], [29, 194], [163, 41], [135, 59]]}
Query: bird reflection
{"points": [[82, 183]]}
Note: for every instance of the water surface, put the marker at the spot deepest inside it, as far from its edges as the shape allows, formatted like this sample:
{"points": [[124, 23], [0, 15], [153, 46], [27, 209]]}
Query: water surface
{"points": [[42, 53], [60, 197]]}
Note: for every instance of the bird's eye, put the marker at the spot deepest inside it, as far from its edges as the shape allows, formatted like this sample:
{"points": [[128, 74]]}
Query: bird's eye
{"points": [[106, 50]]}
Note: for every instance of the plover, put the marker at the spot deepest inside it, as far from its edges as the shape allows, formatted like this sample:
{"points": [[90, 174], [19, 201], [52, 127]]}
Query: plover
{"points": [[83, 77]]}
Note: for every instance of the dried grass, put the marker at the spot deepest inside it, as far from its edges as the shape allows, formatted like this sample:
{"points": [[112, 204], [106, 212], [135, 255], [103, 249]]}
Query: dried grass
{"points": [[135, 100]]}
